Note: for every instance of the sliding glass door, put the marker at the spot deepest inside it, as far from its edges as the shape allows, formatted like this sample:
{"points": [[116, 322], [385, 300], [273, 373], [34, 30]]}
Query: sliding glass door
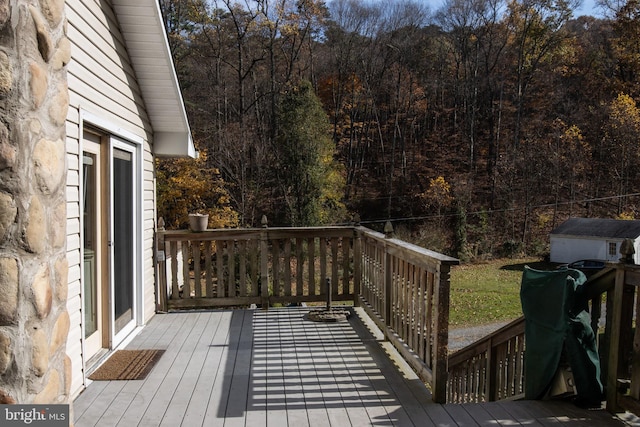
{"points": [[123, 237], [95, 282], [110, 236]]}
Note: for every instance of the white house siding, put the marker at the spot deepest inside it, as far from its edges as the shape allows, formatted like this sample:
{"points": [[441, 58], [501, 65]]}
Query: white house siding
{"points": [[101, 83], [74, 343], [149, 224], [566, 249]]}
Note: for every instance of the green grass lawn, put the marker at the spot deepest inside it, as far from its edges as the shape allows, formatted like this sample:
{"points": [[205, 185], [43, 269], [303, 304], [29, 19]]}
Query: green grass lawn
{"points": [[488, 292]]}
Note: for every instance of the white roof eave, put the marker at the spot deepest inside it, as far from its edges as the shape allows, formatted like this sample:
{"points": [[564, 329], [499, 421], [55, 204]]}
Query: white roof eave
{"points": [[143, 31]]}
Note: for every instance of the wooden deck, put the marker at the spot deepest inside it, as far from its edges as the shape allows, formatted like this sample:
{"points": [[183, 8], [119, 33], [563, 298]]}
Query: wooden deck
{"points": [[258, 368]]}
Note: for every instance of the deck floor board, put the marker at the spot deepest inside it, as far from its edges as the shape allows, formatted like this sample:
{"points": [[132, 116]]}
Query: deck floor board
{"points": [[144, 391], [168, 378], [195, 413], [275, 368]]}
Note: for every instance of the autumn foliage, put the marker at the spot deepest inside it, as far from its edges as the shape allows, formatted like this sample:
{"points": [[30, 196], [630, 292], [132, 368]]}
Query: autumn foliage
{"points": [[187, 186], [485, 123]]}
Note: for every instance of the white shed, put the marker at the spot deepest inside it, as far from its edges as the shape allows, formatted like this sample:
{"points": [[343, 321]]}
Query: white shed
{"points": [[592, 238]]}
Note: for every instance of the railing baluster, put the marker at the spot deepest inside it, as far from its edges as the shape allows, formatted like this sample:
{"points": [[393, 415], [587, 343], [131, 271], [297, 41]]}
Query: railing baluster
{"points": [[346, 266], [334, 266], [197, 285], [388, 290], [242, 271], [397, 293], [413, 331], [208, 268], [421, 301], [299, 267], [323, 264], [482, 378], [429, 324], [275, 261], [286, 265], [175, 288], [161, 258], [311, 256], [254, 266], [519, 373], [231, 269], [186, 285], [406, 280], [357, 267], [220, 284]]}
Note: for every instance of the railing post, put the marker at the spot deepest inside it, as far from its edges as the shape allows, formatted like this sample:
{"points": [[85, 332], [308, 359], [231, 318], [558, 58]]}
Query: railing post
{"points": [[441, 335], [614, 341], [388, 279], [161, 272], [492, 370], [264, 263], [357, 266]]}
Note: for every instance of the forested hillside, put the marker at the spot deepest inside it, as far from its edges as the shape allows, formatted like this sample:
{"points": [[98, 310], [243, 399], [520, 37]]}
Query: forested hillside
{"points": [[475, 128]]}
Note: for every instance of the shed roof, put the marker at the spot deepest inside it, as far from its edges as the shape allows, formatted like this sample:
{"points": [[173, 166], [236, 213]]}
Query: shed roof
{"points": [[598, 227], [143, 30]]}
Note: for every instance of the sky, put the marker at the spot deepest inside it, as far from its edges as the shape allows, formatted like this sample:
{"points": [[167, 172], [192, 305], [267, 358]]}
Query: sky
{"points": [[588, 7]]}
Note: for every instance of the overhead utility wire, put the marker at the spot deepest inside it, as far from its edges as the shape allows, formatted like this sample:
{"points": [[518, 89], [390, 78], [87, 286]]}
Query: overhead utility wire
{"points": [[546, 205]]}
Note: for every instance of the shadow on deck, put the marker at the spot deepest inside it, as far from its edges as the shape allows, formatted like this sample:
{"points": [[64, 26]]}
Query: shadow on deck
{"points": [[256, 368]]}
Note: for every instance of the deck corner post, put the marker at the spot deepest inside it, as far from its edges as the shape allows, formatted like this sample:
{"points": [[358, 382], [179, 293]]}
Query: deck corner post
{"points": [[264, 264], [441, 335], [614, 341], [161, 269]]}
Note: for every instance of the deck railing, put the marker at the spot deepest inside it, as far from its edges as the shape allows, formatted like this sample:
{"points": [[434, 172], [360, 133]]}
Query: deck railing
{"points": [[267, 266], [404, 288], [619, 344], [492, 368]]}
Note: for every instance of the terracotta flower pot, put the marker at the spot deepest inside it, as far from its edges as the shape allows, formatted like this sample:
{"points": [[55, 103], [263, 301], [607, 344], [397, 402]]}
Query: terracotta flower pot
{"points": [[198, 222]]}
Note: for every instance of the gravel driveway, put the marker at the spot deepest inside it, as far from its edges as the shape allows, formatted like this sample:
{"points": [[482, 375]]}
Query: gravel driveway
{"points": [[462, 337]]}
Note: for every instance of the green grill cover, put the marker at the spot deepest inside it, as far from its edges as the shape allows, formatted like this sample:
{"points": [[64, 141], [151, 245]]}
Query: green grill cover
{"points": [[557, 320]]}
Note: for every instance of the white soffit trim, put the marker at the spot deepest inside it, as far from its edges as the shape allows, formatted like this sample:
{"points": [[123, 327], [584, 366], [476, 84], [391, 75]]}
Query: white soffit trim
{"points": [[143, 31]]}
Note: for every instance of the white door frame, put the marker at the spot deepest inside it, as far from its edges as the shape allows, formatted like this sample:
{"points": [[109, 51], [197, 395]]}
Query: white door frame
{"points": [[130, 142], [117, 337], [96, 341]]}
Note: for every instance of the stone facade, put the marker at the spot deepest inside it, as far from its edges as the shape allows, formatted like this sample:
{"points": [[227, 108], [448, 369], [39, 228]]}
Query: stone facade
{"points": [[34, 100]]}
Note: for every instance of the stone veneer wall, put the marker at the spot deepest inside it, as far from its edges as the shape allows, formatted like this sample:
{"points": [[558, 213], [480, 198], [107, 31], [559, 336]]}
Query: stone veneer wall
{"points": [[34, 100]]}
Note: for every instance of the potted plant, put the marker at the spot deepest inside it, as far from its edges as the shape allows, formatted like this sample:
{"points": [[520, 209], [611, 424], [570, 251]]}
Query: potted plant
{"points": [[199, 220]]}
